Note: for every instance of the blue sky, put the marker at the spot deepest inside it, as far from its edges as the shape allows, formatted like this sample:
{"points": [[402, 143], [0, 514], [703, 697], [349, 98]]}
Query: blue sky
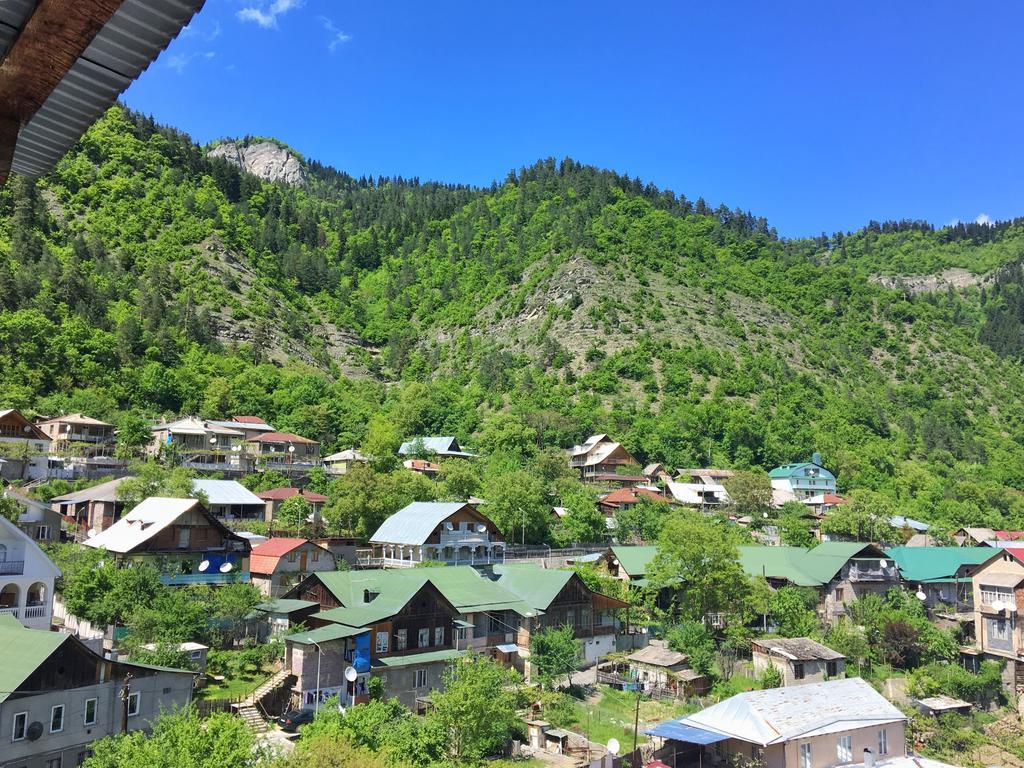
{"points": [[817, 115]]}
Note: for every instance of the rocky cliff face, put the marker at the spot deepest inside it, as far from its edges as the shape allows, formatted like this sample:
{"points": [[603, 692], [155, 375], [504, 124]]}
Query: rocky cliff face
{"points": [[264, 159]]}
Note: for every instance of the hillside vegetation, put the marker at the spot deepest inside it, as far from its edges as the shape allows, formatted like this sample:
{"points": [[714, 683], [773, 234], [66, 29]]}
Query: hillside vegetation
{"points": [[143, 277]]}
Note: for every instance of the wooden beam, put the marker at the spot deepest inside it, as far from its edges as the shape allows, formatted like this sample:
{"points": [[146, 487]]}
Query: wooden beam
{"points": [[49, 44], [9, 127]]}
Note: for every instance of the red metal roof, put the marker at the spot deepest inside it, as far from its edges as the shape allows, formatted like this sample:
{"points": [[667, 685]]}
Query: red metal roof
{"points": [[280, 437], [1010, 535], [264, 557], [279, 494], [249, 420], [630, 496]]}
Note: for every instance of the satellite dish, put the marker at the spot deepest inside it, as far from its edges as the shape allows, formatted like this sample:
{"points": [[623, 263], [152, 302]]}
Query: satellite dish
{"points": [[204, 566], [997, 605], [92, 532], [1011, 607], [920, 595], [449, 527], [481, 528], [226, 568], [882, 563], [613, 746], [351, 674], [35, 730]]}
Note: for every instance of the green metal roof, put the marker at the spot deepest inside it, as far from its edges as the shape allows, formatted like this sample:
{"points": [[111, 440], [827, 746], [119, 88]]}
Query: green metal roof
{"points": [[24, 650], [284, 605], [936, 563], [634, 560], [537, 586], [804, 567], [325, 634], [412, 659]]}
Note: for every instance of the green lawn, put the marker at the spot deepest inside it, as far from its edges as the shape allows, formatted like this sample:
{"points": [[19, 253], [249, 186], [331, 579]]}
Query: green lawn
{"points": [[612, 716], [235, 685]]}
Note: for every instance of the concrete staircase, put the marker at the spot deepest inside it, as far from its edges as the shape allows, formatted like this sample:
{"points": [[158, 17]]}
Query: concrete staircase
{"points": [[252, 718], [250, 709]]}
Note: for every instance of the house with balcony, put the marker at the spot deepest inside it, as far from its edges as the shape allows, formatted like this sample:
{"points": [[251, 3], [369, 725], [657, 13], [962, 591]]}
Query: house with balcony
{"points": [[455, 533], [24, 447], [39, 522], [434, 447], [80, 446], [341, 462], [57, 697], [278, 564], [820, 725], [804, 479], [181, 539], [941, 574], [283, 451], [249, 426], [229, 499], [273, 498], [27, 576], [599, 456], [798, 660], [91, 509], [998, 585], [199, 444]]}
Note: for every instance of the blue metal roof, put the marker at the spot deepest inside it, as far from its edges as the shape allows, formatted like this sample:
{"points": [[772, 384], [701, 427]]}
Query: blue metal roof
{"points": [[673, 729]]}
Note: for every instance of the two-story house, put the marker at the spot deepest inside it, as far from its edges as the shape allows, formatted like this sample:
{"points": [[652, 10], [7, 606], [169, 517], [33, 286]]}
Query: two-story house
{"points": [[80, 446], [91, 509], [273, 498], [799, 660], [199, 444], [804, 479], [599, 456], [434, 447], [998, 585], [229, 499], [249, 426], [24, 447], [37, 519], [26, 578], [276, 565], [941, 574], [341, 462], [283, 451], [57, 697], [181, 539], [448, 532], [820, 725]]}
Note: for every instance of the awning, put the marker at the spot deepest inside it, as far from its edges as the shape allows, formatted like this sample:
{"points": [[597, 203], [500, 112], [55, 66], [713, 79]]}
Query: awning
{"points": [[508, 648], [673, 729], [460, 624]]}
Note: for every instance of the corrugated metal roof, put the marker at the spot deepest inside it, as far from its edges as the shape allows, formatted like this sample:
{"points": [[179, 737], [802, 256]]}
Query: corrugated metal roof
{"points": [[226, 492], [141, 524], [414, 523], [138, 31], [929, 563], [13, 15], [24, 651]]}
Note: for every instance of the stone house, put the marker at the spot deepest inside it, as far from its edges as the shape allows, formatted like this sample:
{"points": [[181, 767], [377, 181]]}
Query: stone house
{"points": [[799, 660]]}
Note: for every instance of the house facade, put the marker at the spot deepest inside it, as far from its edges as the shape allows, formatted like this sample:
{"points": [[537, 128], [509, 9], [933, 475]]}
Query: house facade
{"points": [[273, 499], [80, 446], [283, 451], [434, 447], [341, 462], [24, 447], [278, 564], [448, 532], [37, 520], [799, 660], [59, 697], [804, 479], [229, 499], [91, 509], [199, 444], [599, 455], [998, 586], [181, 539], [941, 574], [27, 577], [820, 725]]}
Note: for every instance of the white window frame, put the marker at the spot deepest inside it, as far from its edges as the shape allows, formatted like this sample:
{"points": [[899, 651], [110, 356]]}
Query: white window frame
{"points": [[844, 749], [990, 594], [438, 635], [419, 678], [95, 709], [1000, 629], [135, 696], [53, 711], [40, 530], [805, 755], [883, 741], [24, 726], [381, 644], [195, 655], [423, 638], [401, 639]]}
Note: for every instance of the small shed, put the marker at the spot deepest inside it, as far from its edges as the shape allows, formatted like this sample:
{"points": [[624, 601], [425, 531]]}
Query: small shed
{"points": [[556, 740], [943, 705]]}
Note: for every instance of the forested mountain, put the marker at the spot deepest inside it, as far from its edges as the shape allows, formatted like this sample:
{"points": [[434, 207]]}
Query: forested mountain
{"points": [[143, 276]]}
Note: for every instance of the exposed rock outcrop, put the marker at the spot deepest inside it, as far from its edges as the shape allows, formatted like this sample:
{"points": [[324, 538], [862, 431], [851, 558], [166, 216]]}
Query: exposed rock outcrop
{"points": [[265, 159]]}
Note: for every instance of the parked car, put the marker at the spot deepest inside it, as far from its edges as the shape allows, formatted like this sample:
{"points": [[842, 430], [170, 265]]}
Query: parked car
{"points": [[293, 718]]}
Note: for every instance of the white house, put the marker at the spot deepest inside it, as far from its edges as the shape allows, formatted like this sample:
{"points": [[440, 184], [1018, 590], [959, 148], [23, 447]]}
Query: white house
{"points": [[23, 446], [26, 578]]}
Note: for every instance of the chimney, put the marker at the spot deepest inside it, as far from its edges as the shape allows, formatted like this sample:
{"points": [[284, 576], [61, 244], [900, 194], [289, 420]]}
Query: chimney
{"points": [[869, 758], [816, 458], [369, 595]]}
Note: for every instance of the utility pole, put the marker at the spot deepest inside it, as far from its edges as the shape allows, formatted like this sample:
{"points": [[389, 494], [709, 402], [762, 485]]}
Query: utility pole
{"points": [[636, 726], [126, 692]]}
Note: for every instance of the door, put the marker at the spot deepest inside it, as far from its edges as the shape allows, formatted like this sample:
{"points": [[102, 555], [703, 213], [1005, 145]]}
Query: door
{"points": [[302, 562], [183, 537]]}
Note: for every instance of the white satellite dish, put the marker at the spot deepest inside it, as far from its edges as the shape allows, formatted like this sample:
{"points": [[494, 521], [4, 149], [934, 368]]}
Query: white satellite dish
{"points": [[997, 605], [92, 532], [204, 566], [613, 746], [351, 674], [481, 528], [1011, 607], [920, 595], [882, 563], [226, 568], [449, 527]]}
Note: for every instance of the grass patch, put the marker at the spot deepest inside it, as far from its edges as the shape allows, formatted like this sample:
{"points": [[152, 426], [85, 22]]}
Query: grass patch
{"points": [[611, 716], [237, 685]]}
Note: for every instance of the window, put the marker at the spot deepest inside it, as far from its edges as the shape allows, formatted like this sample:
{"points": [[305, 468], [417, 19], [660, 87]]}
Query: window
{"points": [[844, 749], [134, 700], [57, 719], [991, 595], [42, 533], [438, 635], [831, 668], [382, 642], [316, 555], [53, 762], [999, 630], [401, 639], [839, 594], [883, 742], [20, 725], [291, 557], [420, 679], [195, 655], [90, 711], [424, 637], [798, 670], [805, 756]]}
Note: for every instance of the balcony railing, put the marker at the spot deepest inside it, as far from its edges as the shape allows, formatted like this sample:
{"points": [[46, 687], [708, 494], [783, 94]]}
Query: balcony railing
{"points": [[182, 579], [464, 538], [875, 573], [12, 567], [36, 611], [10, 612]]}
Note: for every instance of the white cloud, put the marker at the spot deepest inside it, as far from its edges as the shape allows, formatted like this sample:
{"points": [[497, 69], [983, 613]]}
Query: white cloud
{"points": [[983, 218], [265, 14], [338, 37], [179, 61]]}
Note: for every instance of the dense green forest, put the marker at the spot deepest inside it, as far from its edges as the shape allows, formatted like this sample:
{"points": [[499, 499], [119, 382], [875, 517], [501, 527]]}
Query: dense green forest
{"points": [[142, 278]]}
